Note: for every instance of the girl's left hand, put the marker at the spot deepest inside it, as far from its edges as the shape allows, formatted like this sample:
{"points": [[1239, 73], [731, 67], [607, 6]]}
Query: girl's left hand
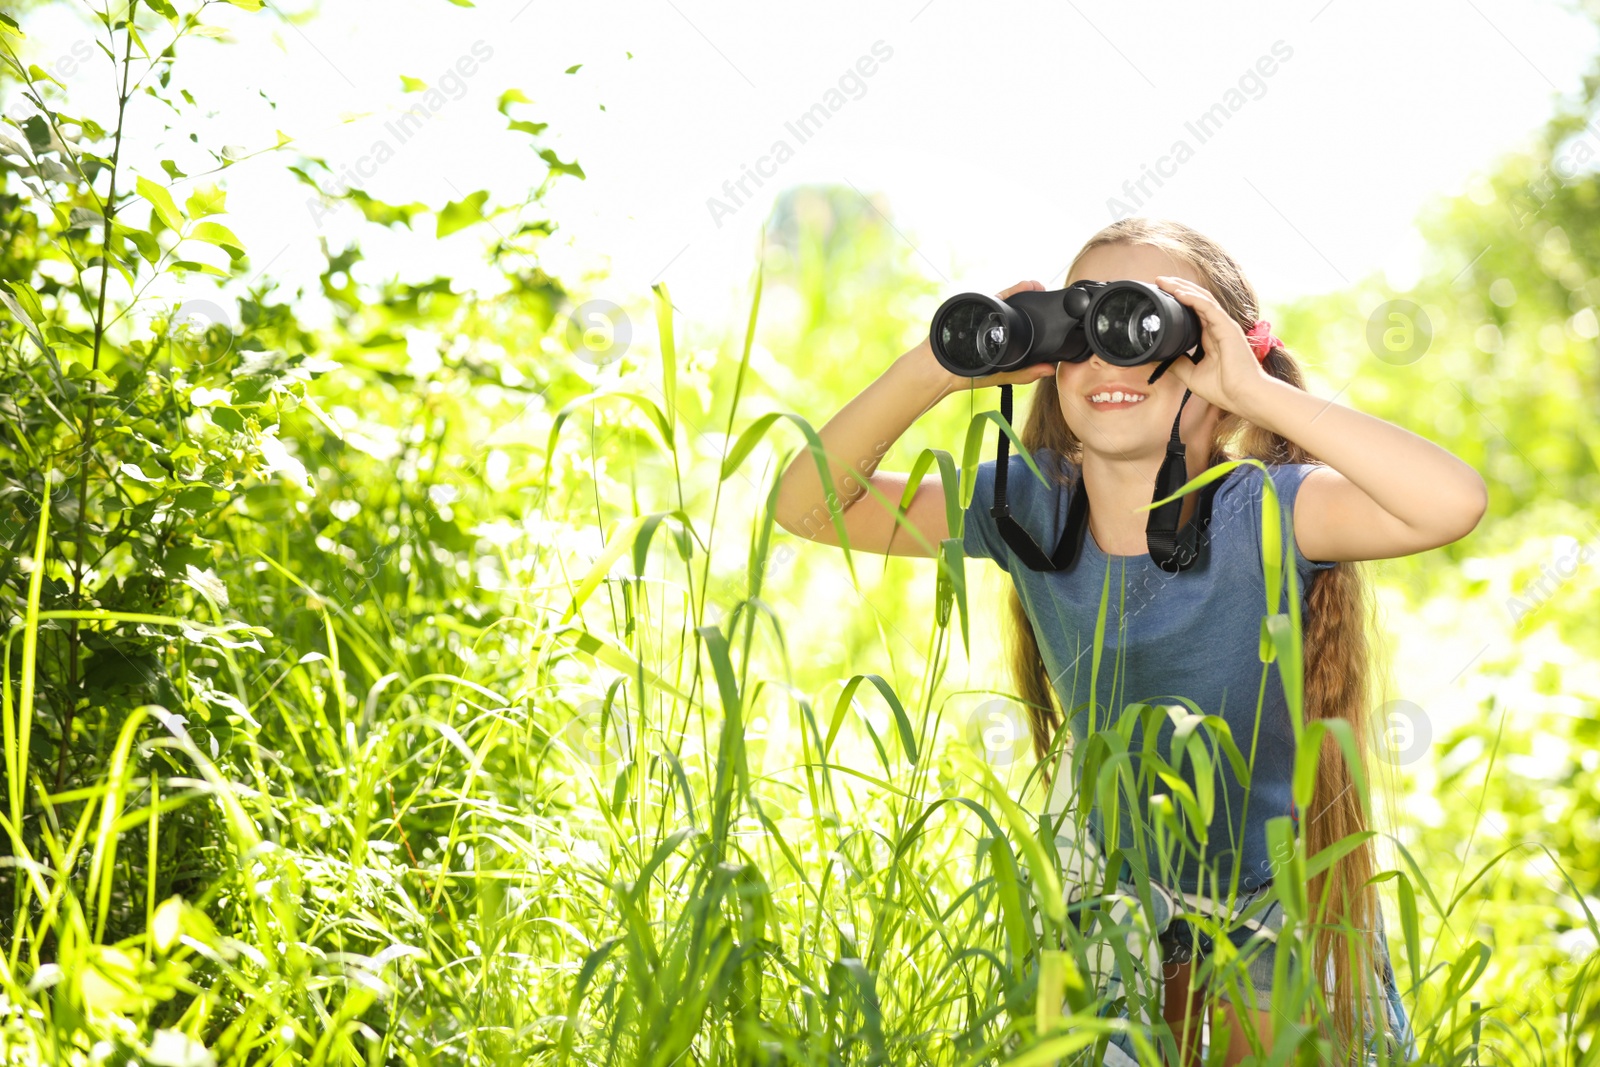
{"points": [[1229, 373]]}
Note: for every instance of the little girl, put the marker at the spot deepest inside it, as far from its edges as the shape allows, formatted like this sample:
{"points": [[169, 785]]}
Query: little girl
{"points": [[1352, 487]]}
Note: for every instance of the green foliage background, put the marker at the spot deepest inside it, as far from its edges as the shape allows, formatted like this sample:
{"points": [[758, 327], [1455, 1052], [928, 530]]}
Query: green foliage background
{"points": [[372, 697]]}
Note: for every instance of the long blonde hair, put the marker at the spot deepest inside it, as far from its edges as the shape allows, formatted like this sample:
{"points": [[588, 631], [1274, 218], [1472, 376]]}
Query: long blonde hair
{"points": [[1342, 671]]}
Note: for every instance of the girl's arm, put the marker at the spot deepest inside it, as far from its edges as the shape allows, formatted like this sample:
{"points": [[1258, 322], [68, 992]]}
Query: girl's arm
{"points": [[1385, 492], [855, 441]]}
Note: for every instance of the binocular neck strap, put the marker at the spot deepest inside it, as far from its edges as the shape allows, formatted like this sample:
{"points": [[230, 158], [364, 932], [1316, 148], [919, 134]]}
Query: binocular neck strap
{"points": [[1172, 551], [1021, 542]]}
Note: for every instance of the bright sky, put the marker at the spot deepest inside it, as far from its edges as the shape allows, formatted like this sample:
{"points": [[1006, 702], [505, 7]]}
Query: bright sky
{"points": [[998, 134]]}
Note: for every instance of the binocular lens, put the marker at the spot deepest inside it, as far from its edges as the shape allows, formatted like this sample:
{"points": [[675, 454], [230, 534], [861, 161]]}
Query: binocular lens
{"points": [[992, 338], [1128, 324], [973, 335]]}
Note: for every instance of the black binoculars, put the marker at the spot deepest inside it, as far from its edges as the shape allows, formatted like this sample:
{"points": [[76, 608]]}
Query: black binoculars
{"points": [[1124, 322]]}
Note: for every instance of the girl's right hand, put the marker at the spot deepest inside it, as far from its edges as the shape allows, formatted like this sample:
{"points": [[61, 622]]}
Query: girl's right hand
{"points": [[1013, 377]]}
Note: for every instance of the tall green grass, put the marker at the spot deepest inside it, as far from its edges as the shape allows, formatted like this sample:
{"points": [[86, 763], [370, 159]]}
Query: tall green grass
{"points": [[555, 832]]}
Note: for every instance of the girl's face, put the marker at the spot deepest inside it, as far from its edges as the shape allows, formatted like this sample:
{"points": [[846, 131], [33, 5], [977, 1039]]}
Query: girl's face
{"points": [[1134, 427]]}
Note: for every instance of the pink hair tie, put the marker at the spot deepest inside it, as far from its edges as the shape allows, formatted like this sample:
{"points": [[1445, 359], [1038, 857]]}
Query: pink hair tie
{"points": [[1261, 339]]}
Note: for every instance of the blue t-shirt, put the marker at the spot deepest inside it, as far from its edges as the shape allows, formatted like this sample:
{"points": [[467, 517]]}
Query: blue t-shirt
{"points": [[1194, 634]]}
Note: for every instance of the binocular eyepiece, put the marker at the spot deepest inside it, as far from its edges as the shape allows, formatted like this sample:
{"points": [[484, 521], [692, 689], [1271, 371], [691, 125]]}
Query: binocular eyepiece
{"points": [[1124, 322]]}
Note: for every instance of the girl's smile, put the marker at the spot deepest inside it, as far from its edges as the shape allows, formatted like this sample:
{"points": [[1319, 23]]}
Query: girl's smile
{"points": [[1115, 396]]}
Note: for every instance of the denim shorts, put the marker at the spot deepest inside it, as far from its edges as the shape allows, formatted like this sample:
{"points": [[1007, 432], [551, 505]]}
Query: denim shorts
{"points": [[1157, 937]]}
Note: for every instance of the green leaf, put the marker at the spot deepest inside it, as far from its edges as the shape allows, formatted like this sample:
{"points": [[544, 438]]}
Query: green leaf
{"points": [[1272, 552], [558, 167], [1284, 848], [10, 28], [61, 335], [38, 131], [134, 471], [207, 199], [1060, 982], [1270, 625], [1291, 665], [459, 214], [1199, 481], [40, 74], [141, 239], [172, 169], [227, 418], [511, 96], [385, 214], [160, 201], [179, 265], [974, 442], [752, 436], [902, 721], [953, 584], [11, 146], [607, 651], [1046, 880], [24, 303], [669, 354], [573, 69], [248, 5], [1409, 926], [1308, 761], [949, 476], [216, 233], [412, 85], [30, 659], [1337, 851], [637, 535]]}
